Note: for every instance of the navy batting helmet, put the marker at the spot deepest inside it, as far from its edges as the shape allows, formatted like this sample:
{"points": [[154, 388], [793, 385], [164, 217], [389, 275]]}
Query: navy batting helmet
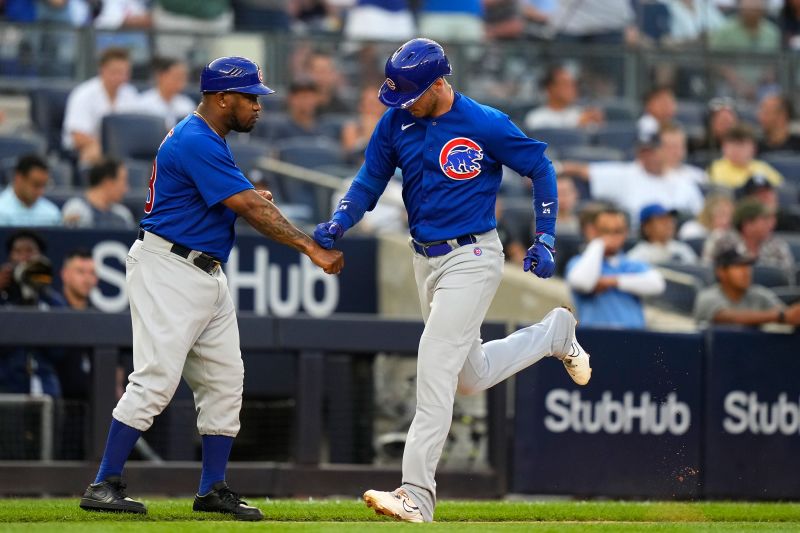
{"points": [[411, 70], [233, 74]]}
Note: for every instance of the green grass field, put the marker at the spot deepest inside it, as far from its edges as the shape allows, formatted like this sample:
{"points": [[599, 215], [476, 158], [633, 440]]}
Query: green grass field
{"points": [[64, 516]]}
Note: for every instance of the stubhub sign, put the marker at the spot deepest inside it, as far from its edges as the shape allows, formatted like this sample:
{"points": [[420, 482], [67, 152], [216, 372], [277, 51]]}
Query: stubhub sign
{"points": [[567, 411], [664, 416], [264, 277], [745, 413], [633, 431], [753, 421]]}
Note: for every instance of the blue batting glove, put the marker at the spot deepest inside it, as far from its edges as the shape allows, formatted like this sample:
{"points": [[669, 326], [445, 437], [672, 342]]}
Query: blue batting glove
{"points": [[326, 233], [540, 258]]}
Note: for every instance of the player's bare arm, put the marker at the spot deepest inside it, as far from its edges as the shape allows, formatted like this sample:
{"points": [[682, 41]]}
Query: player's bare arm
{"points": [[265, 217]]}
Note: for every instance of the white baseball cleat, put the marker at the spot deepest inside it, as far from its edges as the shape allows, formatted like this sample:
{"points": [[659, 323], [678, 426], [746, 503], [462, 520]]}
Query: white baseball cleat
{"points": [[397, 504], [577, 364]]}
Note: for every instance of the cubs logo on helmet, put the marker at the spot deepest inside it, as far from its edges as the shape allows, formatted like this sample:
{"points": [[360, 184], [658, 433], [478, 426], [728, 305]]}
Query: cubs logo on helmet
{"points": [[460, 158]]}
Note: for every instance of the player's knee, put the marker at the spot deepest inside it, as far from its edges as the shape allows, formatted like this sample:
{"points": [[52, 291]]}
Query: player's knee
{"points": [[468, 387], [561, 314]]}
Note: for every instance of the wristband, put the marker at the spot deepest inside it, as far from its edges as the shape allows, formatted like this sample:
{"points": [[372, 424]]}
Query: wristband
{"points": [[781, 316], [547, 239]]}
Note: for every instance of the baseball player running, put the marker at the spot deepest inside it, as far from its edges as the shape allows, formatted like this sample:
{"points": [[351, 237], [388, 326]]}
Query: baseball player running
{"points": [[184, 322], [451, 150]]}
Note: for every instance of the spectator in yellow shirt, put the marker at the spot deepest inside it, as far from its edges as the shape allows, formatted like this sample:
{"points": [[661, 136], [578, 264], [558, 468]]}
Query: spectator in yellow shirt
{"points": [[738, 162]]}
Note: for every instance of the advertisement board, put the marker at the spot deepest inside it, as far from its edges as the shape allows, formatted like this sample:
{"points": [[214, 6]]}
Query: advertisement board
{"points": [[634, 431], [264, 277]]}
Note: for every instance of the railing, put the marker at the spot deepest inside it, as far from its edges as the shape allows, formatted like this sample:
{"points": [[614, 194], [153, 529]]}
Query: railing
{"points": [[323, 349], [44, 55]]}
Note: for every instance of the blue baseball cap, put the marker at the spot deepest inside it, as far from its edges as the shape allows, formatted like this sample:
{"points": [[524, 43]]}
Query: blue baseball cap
{"points": [[233, 74], [654, 210]]}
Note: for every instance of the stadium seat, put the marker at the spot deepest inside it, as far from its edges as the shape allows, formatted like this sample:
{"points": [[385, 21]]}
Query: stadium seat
{"points": [[567, 246], [789, 194], [681, 292], [591, 154], [47, 114], [696, 244], [247, 154], [267, 126], [132, 136], [618, 110], [559, 138], [787, 165], [619, 135], [311, 153], [331, 125], [770, 276], [793, 239], [788, 295], [702, 158], [11, 148], [139, 172], [273, 103], [690, 114], [14, 146]]}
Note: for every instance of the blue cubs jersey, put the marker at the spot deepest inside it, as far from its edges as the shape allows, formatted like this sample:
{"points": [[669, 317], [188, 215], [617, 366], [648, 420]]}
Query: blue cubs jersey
{"points": [[192, 174], [452, 166]]}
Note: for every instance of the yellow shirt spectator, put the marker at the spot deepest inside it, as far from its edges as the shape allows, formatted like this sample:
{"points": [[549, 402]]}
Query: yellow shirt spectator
{"points": [[738, 162], [723, 172]]}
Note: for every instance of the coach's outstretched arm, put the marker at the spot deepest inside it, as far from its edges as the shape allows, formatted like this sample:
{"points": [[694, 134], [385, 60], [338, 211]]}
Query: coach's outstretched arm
{"points": [[265, 217]]}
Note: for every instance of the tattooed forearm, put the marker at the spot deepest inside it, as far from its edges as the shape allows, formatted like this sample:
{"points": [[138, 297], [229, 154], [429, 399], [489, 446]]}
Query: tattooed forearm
{"points": [[269, 221]]}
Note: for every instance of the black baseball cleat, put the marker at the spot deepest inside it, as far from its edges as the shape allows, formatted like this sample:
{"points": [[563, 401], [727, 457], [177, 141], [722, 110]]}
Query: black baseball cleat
{"points": [[110, 496], [221, 499]]}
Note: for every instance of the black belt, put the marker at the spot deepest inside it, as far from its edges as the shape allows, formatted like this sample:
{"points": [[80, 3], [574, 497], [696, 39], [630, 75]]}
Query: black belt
{"points": [[440, 248], [203, 261]]}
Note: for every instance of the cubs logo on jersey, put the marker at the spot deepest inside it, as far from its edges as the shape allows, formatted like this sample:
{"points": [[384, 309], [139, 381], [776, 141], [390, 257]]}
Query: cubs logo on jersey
{"points": [[460, 158]]}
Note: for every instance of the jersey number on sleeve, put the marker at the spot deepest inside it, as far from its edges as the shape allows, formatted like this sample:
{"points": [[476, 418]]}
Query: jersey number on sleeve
{"points": [[151, 190], [151, 185]]}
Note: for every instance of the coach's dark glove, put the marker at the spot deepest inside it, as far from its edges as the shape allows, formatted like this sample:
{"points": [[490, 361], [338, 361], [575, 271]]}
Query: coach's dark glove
{"points": [[540, 258], [326, 233]]}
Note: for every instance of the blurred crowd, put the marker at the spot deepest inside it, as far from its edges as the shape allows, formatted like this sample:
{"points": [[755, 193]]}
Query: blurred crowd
{"points": [[765, 25], [689, 203]]}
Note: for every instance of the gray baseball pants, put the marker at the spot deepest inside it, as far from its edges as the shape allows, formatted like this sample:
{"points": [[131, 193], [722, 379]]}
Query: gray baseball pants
{"points": [[184, 324], [455, 291]]}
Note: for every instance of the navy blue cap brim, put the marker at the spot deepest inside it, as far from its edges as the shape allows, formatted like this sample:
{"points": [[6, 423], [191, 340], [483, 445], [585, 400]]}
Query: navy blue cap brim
{"points": [[257, 88], [392, 98]]}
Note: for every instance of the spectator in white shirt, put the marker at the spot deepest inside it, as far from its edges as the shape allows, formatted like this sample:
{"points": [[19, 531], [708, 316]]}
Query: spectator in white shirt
{"points": [[658, 244], [166, 99], [560, 111], [633, 185], [689, 20], [115, 14], [659, 111], [673, 143], [89, 102]]}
